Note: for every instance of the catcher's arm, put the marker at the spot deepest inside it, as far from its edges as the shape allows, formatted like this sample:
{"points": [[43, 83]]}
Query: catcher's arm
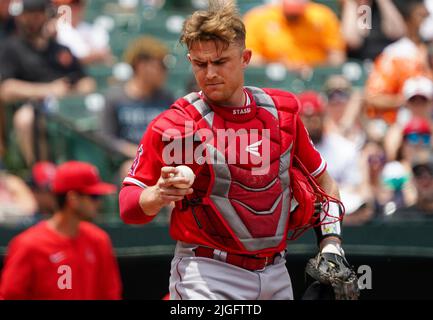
{"points": [[329, 233], [330, 266]]}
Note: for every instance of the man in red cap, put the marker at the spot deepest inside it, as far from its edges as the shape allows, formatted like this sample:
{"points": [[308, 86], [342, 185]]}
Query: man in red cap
{"points": [[416, 141], [313, 114], [65, 257], [418, 95]]}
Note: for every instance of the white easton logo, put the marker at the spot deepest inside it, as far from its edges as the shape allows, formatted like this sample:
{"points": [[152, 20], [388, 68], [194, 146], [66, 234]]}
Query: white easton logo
{"points": [[254, 148]]}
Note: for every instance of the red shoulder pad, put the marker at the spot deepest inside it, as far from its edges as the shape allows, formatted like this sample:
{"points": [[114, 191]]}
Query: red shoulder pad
{"points": [[285, 101], [175, 123]]}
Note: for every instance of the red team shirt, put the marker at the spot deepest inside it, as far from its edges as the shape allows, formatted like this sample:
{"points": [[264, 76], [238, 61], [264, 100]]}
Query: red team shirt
{"points": [[146, 171], [43, 264]]}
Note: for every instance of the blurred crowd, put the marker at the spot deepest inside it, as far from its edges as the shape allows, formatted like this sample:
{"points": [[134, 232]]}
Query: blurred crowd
{"points": [[376, 138]]}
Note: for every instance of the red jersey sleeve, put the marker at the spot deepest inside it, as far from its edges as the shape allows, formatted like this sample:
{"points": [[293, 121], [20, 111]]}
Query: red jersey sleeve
{"points": [[144, 172], [306, 152], [17, 275], [146, 168]]}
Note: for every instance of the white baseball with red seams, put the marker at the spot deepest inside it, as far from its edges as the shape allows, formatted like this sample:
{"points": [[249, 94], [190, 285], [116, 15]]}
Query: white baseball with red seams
{"points": [[185, 171]]}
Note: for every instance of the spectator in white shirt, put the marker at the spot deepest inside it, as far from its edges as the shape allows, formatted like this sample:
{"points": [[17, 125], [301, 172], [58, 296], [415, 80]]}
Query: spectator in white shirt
{"points": [[90, 43], [427, 26], [341, 155]]}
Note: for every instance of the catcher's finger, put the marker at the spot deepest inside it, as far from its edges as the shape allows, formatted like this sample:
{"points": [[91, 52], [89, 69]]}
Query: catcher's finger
{"points": [[168, 182], [168, 198], [167, 172], [175, 191]]}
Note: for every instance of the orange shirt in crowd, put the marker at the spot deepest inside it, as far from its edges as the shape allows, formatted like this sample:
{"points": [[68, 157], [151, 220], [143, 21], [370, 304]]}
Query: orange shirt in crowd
{"points": [[398, 62], [306, 41]]}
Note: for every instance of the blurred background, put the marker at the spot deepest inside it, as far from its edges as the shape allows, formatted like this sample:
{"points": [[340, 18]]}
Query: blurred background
{"points": [[81, 79]]}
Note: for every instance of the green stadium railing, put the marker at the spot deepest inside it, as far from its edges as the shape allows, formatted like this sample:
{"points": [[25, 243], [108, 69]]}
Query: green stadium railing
{"points": [[72, 132], [407, 238], [73, 129]]}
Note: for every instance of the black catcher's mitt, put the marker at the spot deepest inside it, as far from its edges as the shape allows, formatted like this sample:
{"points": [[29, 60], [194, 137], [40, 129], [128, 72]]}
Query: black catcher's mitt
{"points": [[333, 270]]}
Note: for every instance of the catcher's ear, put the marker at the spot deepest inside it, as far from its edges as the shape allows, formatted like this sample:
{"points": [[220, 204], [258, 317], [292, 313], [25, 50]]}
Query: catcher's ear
{"points": [[246, 57]]}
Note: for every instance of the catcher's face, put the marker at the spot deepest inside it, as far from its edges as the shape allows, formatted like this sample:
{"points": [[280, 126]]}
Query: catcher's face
{"points": [[219, 71]]}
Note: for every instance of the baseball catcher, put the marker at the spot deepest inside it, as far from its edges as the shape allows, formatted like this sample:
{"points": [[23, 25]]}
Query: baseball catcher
{"points": [[258, 176]]}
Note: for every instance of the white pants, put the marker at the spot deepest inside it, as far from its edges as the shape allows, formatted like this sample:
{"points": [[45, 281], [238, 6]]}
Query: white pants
{"points": [[197, 278]]}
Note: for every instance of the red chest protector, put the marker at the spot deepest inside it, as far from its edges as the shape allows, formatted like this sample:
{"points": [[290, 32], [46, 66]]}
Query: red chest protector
{"points": [[243, 193]]}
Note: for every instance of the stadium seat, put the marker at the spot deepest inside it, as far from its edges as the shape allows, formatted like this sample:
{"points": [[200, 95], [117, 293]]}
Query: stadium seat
{"points": [[74, 110], [273, 76]]}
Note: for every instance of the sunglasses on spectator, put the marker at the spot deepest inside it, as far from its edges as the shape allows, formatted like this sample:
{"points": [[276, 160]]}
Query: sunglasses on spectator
{"points": [[377, 159], [94, 197], [418, 138], [338, 95]]}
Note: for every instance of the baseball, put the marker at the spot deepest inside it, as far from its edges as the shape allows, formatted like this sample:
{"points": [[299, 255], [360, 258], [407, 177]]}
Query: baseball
{"points": [[184, 171]]}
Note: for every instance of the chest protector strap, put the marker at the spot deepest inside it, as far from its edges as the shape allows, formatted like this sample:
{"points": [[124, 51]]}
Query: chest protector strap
{"points": [[300, 195]]}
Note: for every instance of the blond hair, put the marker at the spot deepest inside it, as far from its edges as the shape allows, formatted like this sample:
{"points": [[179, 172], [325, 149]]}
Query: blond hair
{"points": [[145, 48], [221, 21]]}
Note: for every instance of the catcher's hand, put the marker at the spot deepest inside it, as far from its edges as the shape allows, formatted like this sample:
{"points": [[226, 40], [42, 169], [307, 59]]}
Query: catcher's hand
{"points": [[333, 270]]}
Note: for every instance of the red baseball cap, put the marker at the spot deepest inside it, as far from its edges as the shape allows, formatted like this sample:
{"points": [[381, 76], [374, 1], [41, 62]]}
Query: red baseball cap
{"points": [[43, 173], [417, 125], [81, 177], [311, 103], [66, 2]]}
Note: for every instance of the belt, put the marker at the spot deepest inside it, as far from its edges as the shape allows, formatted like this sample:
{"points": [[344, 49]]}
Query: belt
{"points": [[252, 263]]}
